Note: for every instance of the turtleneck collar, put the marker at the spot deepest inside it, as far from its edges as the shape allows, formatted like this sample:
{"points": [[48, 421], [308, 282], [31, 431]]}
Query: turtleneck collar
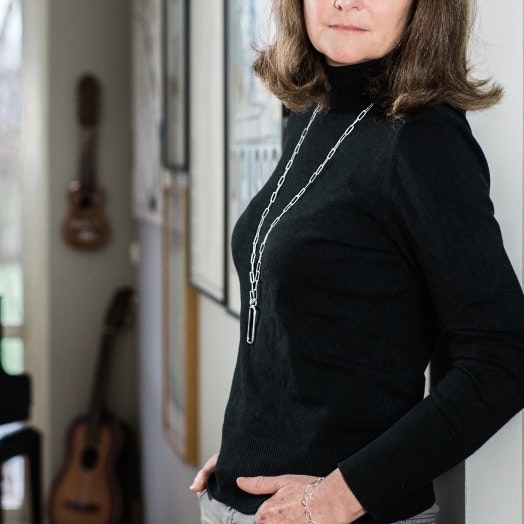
{"points": [[349, 83]]}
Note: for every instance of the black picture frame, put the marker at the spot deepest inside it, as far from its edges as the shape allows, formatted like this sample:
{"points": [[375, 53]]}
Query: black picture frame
{"points": [[253, 123], [175, 84]]}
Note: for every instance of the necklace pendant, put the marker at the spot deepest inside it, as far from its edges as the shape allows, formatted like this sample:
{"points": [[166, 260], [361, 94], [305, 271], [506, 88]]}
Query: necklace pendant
{"points": [[251, 324]]}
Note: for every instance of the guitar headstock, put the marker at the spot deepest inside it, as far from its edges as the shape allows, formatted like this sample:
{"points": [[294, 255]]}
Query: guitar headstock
{"points": [[121, 308]]}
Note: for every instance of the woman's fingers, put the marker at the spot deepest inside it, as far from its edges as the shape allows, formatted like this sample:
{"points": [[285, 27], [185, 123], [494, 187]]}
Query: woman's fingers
{"points": [[260, 485], [201, 477]]}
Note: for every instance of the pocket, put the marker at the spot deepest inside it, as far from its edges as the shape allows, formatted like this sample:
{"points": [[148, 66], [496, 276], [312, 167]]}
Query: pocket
{"points": [[426, 517], [429, 513], [207, 516], [200, 494]]}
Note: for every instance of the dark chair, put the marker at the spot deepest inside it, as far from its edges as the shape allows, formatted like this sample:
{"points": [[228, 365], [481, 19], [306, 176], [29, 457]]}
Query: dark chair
{"points": [[15, 399]]}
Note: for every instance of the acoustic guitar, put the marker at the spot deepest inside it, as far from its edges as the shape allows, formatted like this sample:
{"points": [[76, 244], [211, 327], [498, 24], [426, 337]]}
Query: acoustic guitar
{"points": [[87, 489], [85, 226]]}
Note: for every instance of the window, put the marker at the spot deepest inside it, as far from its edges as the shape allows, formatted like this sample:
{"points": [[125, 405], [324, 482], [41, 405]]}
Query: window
{"points": [[12, 349], [10, 183]]}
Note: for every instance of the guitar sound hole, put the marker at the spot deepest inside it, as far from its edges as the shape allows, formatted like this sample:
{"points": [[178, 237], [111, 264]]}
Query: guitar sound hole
{"points": [[89, 458], [86, 201]]}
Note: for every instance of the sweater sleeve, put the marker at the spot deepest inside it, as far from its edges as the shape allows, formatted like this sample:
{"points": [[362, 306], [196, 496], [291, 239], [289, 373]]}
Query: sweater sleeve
{"points": [[439, 211]]}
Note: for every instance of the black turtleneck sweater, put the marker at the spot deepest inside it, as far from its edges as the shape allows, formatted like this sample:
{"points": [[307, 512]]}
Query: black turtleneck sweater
{"points": [[392, 249]]}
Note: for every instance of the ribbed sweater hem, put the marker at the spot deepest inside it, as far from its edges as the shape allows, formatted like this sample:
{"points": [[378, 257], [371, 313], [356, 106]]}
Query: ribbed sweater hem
{"points": [[247, 455]]}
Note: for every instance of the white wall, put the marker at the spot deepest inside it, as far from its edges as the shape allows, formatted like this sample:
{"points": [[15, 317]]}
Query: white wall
{"points": [[494, 475], [36, 232], [166, 479], [66, 291]]}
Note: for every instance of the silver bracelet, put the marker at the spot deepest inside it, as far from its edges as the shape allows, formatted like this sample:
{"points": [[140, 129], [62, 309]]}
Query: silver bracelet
{"points": [[308, 494]]}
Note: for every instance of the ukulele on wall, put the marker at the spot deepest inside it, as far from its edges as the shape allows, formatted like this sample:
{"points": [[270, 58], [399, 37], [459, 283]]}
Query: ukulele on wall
{"points": [[85, 226], [86, 489]]}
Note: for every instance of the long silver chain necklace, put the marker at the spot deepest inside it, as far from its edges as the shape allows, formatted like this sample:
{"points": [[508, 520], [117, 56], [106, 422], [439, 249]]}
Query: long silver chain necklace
{"points": [[254, 274]]}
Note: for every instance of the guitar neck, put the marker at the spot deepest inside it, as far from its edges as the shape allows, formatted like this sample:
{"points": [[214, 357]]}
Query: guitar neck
{"points": [[88, 101], [101, 384], [87, 168], [116, 317]]}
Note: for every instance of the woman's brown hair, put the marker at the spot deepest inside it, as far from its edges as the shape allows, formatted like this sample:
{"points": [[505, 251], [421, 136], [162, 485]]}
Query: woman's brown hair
{"points": [[429, 66]]}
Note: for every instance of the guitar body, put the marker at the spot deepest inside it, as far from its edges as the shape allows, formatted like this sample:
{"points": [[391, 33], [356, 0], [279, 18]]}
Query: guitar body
{"points": [[87, 490], [85, 226]]}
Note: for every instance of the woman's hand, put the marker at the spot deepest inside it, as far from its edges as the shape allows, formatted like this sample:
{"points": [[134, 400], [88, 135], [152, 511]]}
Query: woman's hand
{"points": [[200, 482], [332, 501]]}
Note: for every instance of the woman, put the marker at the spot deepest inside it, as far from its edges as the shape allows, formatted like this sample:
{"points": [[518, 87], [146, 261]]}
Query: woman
{"points": [[373, 242]]}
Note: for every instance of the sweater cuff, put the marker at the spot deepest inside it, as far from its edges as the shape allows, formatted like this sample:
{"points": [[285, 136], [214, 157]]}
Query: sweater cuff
{"points": [[378, 474]]}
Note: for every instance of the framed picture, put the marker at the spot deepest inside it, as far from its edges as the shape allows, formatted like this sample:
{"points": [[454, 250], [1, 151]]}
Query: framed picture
{"points": [[180, 332], [254, 120], [207, 173], [175, 66]]}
